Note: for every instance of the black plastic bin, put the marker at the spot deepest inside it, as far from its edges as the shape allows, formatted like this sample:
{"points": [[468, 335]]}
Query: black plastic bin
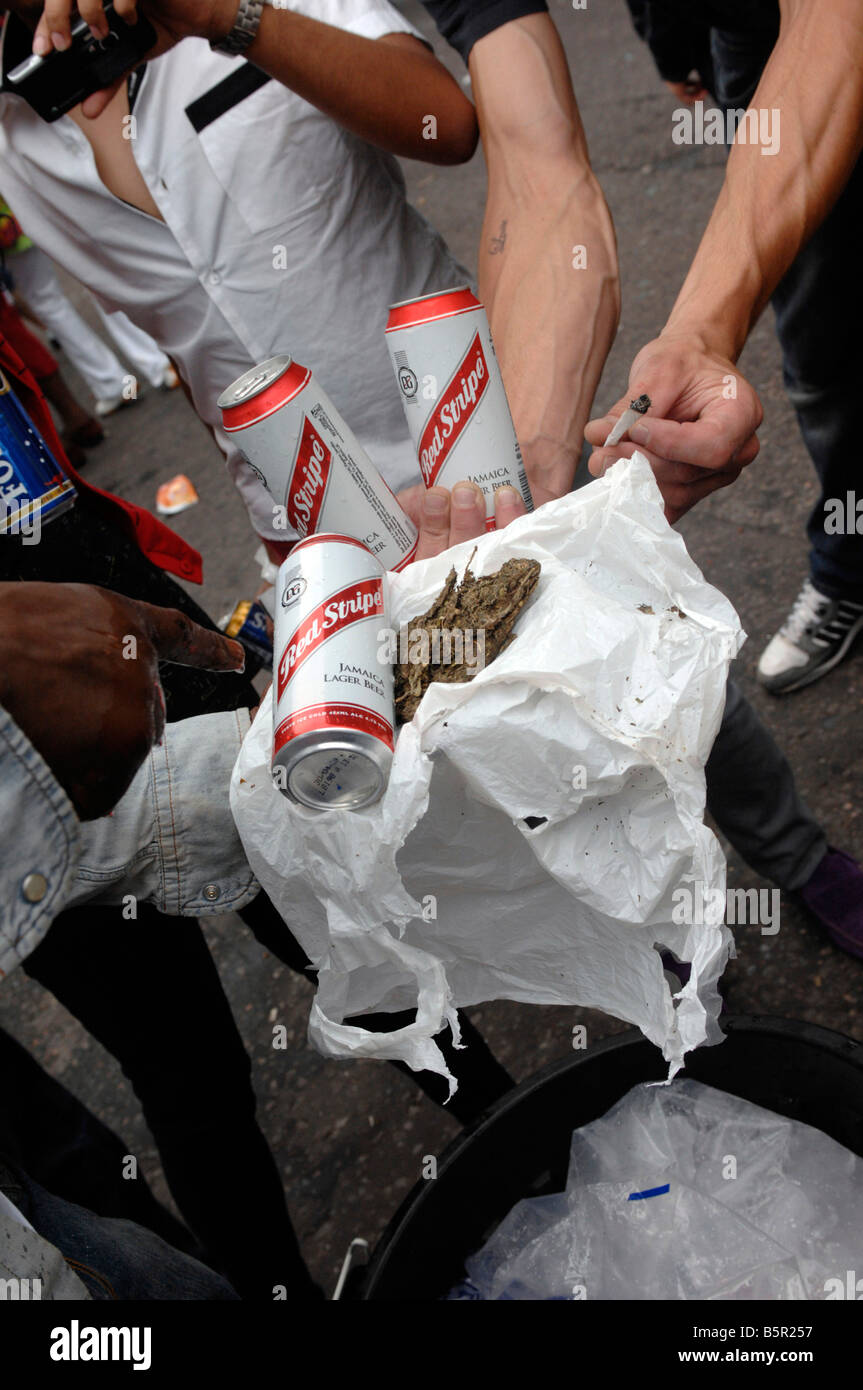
{"points": [[520, 1148]]}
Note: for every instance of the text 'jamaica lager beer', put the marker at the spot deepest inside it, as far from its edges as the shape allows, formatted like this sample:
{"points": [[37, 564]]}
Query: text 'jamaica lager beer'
{"points": [[33, 486], [453, 395], [300, 448], [333, 710]]}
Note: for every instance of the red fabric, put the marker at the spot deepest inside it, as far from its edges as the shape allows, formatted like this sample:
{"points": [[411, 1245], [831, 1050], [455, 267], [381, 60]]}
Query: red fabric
{"points": [[28, 347], [158, 542]]}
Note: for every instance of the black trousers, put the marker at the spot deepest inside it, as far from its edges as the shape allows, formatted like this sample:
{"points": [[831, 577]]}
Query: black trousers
{"points": [[149, 991], [63, 1146]]}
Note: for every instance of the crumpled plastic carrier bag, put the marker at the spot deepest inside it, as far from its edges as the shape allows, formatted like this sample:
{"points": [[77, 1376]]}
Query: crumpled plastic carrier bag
{"points": [[596, 722], [652, 1209]]}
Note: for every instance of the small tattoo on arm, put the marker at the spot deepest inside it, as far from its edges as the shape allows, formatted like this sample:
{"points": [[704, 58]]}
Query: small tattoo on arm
{"points": [[497, 243]]}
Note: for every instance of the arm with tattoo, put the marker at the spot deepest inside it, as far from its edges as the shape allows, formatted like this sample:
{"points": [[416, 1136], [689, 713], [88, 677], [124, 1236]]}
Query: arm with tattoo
{"points": [[548, 258]]}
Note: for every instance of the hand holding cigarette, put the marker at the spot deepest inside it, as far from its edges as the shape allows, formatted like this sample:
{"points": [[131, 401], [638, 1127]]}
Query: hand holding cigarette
{"points": [[630, 417], [701, 430]]}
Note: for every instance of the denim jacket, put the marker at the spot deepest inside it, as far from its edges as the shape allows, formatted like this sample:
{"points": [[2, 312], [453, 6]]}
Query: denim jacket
{"points": [[170, 840]]}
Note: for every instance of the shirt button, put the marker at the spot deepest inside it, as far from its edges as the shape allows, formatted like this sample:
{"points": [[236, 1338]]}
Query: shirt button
{"points": [[214, 277], [34, 887], [211, 892]]}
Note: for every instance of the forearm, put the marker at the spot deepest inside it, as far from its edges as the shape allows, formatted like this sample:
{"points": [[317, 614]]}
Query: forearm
{"points": [[384, 90], [771, 203], [548, 259]]}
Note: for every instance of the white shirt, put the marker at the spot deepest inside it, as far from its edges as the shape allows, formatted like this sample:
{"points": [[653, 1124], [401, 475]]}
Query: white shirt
{"points": [[270, 180]]}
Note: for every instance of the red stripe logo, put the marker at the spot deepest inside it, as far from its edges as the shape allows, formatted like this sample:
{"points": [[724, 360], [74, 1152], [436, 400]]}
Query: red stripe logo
{"points": [[309, 479], [352, 604], [452, 412]]}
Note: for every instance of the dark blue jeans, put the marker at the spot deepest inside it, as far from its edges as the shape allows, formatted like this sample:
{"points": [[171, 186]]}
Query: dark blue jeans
{"points": [[818, 307], [114, 1259]]}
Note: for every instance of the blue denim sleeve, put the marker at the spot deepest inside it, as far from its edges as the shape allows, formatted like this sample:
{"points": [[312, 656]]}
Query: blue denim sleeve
{"points": [[39, 836], [171, 840]]}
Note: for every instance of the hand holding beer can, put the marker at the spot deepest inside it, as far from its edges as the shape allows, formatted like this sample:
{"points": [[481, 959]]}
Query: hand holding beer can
{"points": [[311, 463], [453, 395], [333, 707]]}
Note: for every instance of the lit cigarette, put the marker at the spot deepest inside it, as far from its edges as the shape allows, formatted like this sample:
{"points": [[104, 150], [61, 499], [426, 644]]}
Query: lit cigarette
{"points": [[636, 409]]}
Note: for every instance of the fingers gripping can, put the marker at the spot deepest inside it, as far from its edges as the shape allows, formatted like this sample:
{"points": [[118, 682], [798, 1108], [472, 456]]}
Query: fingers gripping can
{"points": [[311, 463], [333, 709], [453, 394]]}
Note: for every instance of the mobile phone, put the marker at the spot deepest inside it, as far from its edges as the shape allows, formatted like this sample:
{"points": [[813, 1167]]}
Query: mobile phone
{"points": [[54, 84]]}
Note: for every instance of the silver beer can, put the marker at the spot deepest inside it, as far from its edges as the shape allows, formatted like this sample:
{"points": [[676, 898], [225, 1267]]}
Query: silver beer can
{"points": [[311, 463], [453, 394], [333, 708]]}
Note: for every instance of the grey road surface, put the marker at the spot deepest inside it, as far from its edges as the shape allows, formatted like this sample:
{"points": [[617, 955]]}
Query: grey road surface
{"points": [[349, 1138]]}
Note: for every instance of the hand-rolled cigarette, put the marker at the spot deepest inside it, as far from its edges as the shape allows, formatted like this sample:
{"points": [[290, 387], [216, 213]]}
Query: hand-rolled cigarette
{"points": [[637, 408]]}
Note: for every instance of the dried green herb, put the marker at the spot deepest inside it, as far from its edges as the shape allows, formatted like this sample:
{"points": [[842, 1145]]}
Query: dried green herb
{"points": [[489, 605]]}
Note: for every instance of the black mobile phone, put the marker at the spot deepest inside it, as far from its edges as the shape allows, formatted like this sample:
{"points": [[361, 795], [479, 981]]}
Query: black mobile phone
{"points": [[54, 84]]}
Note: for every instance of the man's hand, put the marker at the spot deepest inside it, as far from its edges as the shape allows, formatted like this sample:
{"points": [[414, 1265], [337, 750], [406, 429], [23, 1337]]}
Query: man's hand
{"points": [[382, 90], [699, 434], [79, 675], [443, 520], [440, 521], [172, 20]]}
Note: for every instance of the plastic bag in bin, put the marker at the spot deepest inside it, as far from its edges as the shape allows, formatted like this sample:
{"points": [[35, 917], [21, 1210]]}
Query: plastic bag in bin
{"points": [[684, 1192], [539, 818]]}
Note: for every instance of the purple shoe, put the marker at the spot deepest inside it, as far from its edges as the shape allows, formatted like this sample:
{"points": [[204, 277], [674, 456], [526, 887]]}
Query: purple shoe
{"points": [[834, 894]]}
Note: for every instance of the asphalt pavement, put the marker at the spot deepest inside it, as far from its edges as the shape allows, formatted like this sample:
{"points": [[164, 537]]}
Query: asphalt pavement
{"points": [[350, 1138]]}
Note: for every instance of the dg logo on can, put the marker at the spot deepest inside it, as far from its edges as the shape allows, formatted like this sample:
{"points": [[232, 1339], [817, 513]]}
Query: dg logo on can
{"points": [[407, 381], [294, 589]]}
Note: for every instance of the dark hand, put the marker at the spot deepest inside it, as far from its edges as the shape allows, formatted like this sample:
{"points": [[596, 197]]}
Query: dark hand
{"points": [[79, 675], [172, 20]]}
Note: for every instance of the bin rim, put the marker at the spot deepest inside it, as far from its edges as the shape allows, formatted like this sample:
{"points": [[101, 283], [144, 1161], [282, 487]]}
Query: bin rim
{"points": [[828, 1040]]}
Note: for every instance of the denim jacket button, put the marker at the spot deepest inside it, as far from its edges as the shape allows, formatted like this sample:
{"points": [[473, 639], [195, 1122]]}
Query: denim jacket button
{"points": [[34, 887]]}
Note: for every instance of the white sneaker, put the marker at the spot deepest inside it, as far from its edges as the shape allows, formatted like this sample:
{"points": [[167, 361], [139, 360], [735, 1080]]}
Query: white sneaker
{"points": [[110, 404], [168, 381], [816, 635]]}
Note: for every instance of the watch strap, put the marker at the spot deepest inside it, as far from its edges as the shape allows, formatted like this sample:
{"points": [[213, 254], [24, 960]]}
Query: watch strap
{"points": [[244, 31]]}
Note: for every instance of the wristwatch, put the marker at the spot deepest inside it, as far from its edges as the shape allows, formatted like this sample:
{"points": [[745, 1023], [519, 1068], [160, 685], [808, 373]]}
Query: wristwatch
{"points": [[244, 30]]}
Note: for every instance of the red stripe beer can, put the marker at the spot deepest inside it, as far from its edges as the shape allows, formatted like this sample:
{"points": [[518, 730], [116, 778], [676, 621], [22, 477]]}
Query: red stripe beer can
{"points": [[453, 395], [311, 463], [333, 706]]}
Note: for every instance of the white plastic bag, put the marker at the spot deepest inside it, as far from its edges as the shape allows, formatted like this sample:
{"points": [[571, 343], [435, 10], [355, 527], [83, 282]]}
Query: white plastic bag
{"points": [[599, 718], [684, 1192]]}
